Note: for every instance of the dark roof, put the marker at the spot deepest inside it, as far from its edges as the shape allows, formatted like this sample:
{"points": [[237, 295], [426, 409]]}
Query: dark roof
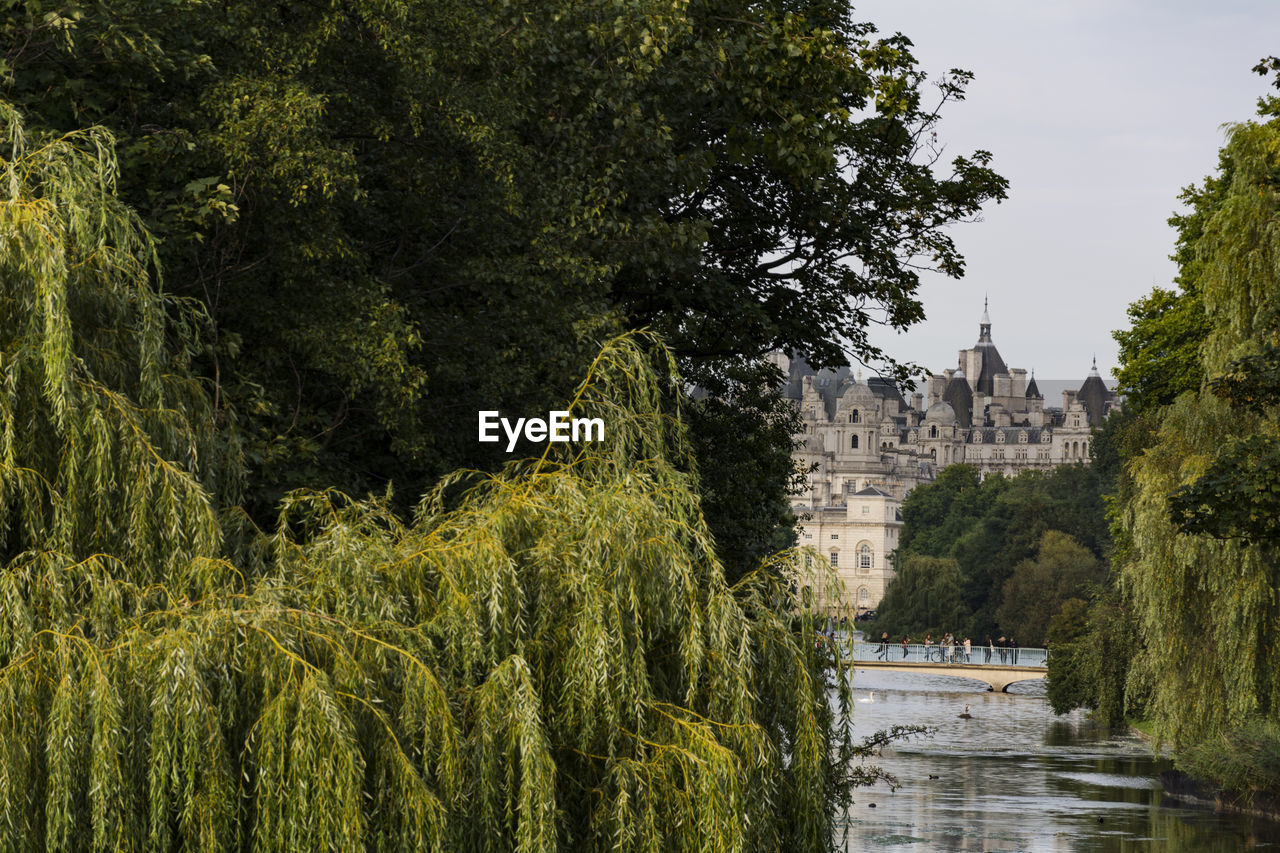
{"points": [[959, 396], [886, 389], [1010, 434], [1032, 390], [832, 383], [1096, 398], [992, 364]]}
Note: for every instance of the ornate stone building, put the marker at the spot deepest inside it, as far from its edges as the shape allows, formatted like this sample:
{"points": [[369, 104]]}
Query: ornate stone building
{"points": [[866, 446]]}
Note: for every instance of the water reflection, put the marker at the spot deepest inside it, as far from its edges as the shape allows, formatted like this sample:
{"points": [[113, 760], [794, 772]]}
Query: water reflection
{"points": [[1015, 778]]}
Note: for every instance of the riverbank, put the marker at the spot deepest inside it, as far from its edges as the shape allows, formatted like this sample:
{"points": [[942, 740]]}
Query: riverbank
{"points": [[1258, 804], [1144, 729]]}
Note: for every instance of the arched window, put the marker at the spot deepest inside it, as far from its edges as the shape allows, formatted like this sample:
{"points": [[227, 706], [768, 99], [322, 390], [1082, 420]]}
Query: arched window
{"points": [[1084, 448], [853, 417], [835, 558], [863, 595], [933, 432], [864, 557], [853, 442]]}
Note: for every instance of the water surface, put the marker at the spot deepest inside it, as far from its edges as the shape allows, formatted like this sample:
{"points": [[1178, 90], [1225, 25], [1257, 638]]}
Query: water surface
{"points": [[1017, 778]]}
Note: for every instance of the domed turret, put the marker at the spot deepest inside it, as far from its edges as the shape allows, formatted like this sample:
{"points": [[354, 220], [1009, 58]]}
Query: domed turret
{"points": [[942, 413]]}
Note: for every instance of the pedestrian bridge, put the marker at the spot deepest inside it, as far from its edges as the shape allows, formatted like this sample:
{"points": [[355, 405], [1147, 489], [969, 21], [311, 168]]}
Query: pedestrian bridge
{"points": [[998, 668]]}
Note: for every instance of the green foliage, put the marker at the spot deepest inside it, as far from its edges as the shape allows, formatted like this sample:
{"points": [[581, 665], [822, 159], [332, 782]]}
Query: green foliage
{"points": [[1243, 759], [397, 214], [1068, 686], [1113, 643], [556, 662], [1062, 571], [551, 660], [1160, 351], [1200, 566], [989, 527], [1239, 495], [743, 435], [1090, 660], [926, 596], [106, 443]]}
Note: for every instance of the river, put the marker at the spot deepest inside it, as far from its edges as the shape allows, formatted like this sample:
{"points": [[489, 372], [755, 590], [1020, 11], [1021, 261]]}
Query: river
{"points": [[1015, 777]]}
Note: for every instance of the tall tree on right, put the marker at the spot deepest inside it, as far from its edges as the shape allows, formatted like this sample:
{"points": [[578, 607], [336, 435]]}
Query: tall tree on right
{"points": [[1199, 561]]}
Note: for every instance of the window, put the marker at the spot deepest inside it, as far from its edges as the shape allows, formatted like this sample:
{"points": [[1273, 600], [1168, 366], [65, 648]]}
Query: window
{"points": [[854, 442], [864, 557], [863, 595], [854, 417], [835, 558], [933, 432], [835, 535]]}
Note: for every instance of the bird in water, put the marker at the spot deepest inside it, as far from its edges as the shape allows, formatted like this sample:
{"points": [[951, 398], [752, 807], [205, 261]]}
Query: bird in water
{"points": [[931, 776], [871, 697], [965, 715]]}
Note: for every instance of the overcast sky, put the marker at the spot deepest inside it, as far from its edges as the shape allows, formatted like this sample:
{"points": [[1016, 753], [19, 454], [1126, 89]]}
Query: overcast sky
{"points": [[1098, 113]]}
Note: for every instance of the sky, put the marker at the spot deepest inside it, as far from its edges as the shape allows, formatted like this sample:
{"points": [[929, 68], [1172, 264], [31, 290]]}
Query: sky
{"points": [[1098, 114]]}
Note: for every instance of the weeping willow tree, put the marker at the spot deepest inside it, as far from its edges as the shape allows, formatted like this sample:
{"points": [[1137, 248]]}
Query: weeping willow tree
{"points": [[543, 659], [1203, 580]]}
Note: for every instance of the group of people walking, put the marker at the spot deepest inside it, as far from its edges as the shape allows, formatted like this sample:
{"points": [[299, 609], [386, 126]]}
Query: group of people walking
{"points": [[950, 650]]}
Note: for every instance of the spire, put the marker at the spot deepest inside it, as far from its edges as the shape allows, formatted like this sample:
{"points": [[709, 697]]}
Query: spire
{"points": [[1093, 371], [984, 325]]}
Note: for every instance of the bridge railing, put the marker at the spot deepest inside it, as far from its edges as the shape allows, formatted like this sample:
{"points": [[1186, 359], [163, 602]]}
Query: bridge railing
{"points": [[919, 653]]}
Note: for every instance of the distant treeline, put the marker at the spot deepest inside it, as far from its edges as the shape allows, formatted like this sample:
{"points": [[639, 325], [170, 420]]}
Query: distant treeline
{"points": [[996, 556]]}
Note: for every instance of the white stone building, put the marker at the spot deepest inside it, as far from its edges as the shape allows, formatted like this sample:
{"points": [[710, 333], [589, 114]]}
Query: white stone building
{"points": [[865, 447]]}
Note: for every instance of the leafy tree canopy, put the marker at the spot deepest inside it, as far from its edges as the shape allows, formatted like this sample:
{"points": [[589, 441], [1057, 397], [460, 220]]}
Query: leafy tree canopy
{"points": [[1062, 571], [1200, 568], [989, 526], [397, 214], [552, 661]]}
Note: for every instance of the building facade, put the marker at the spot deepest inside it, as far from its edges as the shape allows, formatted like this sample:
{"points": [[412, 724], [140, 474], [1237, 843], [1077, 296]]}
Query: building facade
{"points": [[865, 447]]}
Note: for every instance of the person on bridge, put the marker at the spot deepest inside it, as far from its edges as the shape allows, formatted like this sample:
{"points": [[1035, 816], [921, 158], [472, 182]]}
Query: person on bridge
{"points": [[967, 649], [991, 647], [1013, 650], [883, 654], [905, 641], [928, 646], [951, 648], [1003, 648]]}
